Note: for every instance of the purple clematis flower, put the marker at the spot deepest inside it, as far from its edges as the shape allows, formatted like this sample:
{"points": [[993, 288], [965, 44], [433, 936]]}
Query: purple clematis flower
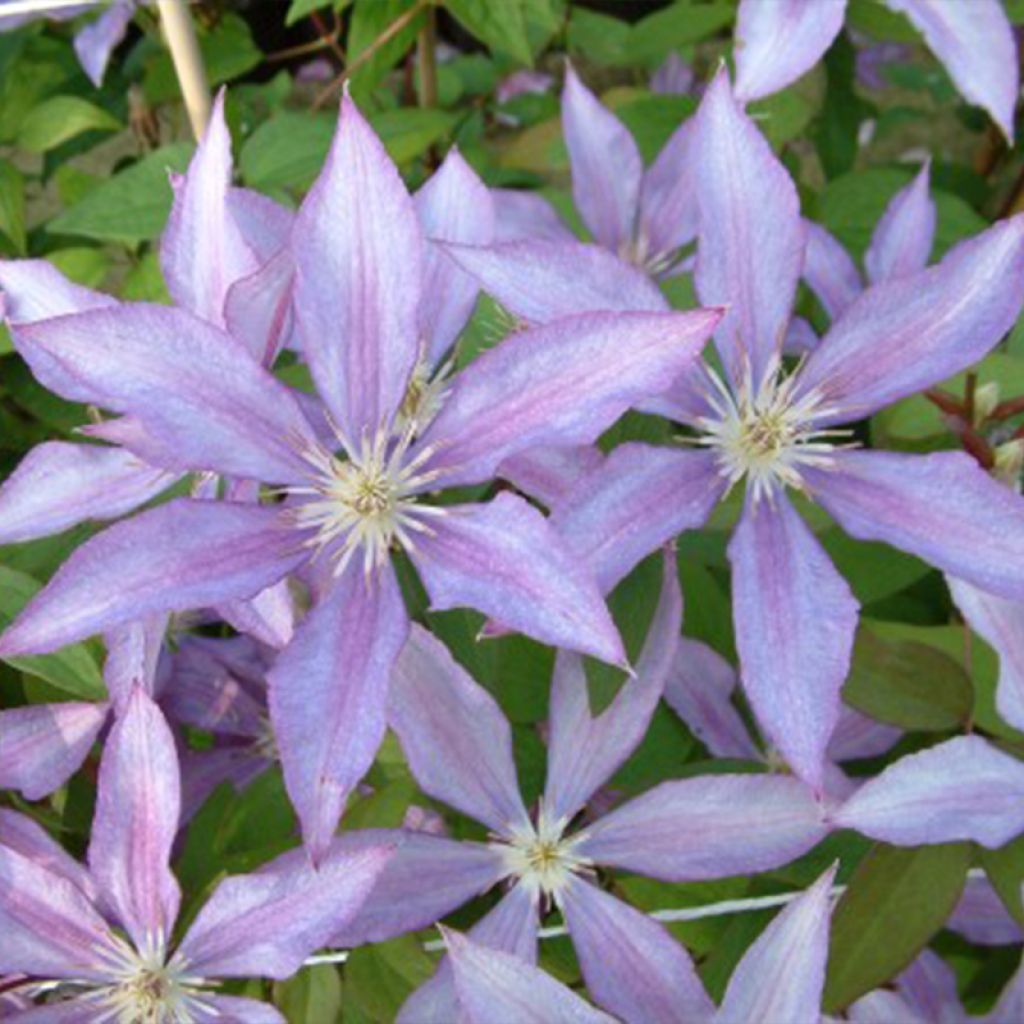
{"points": [[778, 41], [458, 746], [367, 325], [57, 919]]}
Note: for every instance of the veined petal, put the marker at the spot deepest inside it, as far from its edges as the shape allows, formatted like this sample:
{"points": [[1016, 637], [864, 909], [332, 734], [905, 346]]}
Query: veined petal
{"points": [[632, 966], [929, 986], [258, 308], [453, 206], [964, 788], [550, 472], [584, 751], [138, 800], [640, 498], [941, 507], [564, 383], [606, 165], [265, 225], [80, 1010], [503, 559], [218, 1009], [982, 918], [795, 618], [668, 198], [712, 826], [782, 975], [185, 554], [830, 271], [268, 617], [329, 695], [43, 745], [133, 653], [975, 42], [856, 736], [539, 281], [455, 737], [37, 290], [904, 335], [358, 258], [31, 840], [95, 42], [902, 240], [750, 250], [192, 386], [520, 214], [58, 485], [779, 41]]}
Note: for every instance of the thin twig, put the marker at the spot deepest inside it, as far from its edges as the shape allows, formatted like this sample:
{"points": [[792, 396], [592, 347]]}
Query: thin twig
{"points": [[426, 60]]}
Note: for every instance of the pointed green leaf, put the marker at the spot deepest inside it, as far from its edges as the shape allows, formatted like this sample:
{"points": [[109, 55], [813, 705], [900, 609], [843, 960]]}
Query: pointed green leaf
{"points": [[61, 118]]}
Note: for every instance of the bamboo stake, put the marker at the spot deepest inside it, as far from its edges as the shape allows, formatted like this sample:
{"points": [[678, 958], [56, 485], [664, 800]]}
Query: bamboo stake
{"points": [[188, 62]]}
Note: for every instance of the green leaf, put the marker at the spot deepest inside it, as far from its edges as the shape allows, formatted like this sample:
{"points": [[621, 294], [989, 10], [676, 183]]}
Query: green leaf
{"points": [[896, 901], [145, 281], [379, 978], [907, 684], [651, 119], [502, 26], [12, 205], [843, 110], [313, 996], [873, 570], [370, 20], [1005, 870], [287, 151], [599, 37], [879, 21], [71, 669], [132, 206], [684, 22], [299, 9], [409, 132], [82, 264], [61, 118]]}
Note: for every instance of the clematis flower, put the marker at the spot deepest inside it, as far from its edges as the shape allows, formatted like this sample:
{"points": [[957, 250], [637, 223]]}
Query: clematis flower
{"points": [[363, 316], [778, 42], [106, 933], [458, 747]]}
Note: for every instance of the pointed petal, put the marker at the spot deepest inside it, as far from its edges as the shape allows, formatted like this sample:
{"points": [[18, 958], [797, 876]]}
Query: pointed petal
{"points": [[58, 485], [981, 916], [185, 554], [25, 836], [453, 206], [564, 383], [549, 473], [265, 225], [494, 986], [133, 653], [902, 336], [37, 290], [750, 251], [856, 736], [358, 257], [503, 559], [928, 985], [455, 737], [964, 788], [584, 751], [795, 619], [941, 507], [258, 308], [524, 215], [668, 198], [268, 922], [782, 975], [830, 271], [902, 240], [606, 191], [778, 42], [640, 498], [268, 617], [95, 42], [542, 281], [329, 694], [43, 745], [712, 826], [632, 966], [975, 42]]}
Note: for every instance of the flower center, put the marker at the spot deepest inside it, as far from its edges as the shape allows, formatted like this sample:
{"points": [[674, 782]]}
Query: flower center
{"points": [[542, 858], [423, 398]]}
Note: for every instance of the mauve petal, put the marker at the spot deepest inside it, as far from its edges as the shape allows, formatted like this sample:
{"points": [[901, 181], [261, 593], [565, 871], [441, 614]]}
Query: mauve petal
{"points": [[668, 199], [59, 485], [202, 250], [258, 308], [329, 694], [685, 400], [941, 507], [699, 686], [673, 76], [712, 826], [202, 692], [522, 215], [133, 655], [495, 986], [265, 225], [584, 751], [185, 554], [964, 788], [216, 1009], [504, 559], [1001, 624], [856, 736], [542, 281], [632, 966], [81, 1010], [641, 497], [795, 618], [428, 877], [549, 472], [27, 837], [782, 975], [456, 739], [981, 916], [779, 41], [902, 336], [95, 42], [37, 290], [563, 383], [830, 271], [138, 799], [976, 44], [881, 1007], [43, 745], [929, 986], [800, 338], [267, 923], [606, 165], [903, 236], [359, 264], [268, 617], [453, 206], [750, 251]]}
